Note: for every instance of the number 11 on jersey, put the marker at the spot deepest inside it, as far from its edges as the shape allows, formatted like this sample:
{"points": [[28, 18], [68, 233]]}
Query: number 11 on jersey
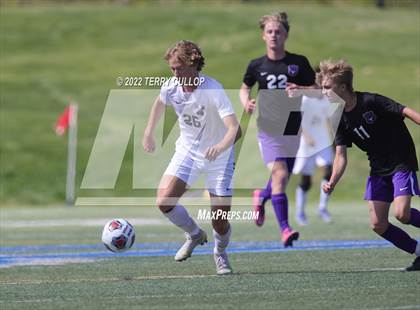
{"points": [[361, 132]]}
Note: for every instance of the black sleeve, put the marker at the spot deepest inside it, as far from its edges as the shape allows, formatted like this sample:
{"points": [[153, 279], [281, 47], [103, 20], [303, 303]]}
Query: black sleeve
{"points": [[342, 136], [307, 74], [249, 77], [385, 105]]}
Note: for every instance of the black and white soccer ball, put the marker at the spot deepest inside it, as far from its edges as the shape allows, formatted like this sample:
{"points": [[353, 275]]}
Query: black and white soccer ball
{"points": [[118, 235]]}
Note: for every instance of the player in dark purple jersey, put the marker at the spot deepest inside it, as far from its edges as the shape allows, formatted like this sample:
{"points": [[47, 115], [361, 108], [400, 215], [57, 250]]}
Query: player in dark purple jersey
{"points": [[278, 69], [376, 125]]}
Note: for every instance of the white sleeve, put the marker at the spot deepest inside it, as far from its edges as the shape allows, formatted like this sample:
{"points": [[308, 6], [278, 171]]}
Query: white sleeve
{"points": [[165, 90], [164, 94], [223, 104]]}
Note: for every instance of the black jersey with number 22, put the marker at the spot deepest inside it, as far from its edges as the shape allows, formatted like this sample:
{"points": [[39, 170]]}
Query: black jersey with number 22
{"points": [[271, 74]]}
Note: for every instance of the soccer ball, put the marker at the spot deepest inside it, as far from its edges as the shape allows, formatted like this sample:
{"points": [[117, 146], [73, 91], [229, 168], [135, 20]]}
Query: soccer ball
{"points": [[118, 235]]}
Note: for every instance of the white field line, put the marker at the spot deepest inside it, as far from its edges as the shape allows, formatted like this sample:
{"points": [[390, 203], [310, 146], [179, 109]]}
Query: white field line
{"points": [[80, 222], [383, 269], [92, 222], [406, 307], [151, 201], [168, 277], [48, 262], [156, 277]]}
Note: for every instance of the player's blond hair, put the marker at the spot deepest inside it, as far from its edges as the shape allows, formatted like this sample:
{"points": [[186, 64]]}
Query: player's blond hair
{"points": [[187, 53], [280, 17], [340, 72]]}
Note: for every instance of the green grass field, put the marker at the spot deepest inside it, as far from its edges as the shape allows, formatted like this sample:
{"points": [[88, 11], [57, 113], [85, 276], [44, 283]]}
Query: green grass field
{"points": [[312, 279], [51, 54], [51, 256]]}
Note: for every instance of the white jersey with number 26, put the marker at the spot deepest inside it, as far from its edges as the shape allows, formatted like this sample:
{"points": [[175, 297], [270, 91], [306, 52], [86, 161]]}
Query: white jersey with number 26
{"points": [[200, 114]]}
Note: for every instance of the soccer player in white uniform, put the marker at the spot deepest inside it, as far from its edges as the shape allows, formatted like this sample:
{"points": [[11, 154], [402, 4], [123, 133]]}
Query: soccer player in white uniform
{"points": [[314, 150], [208, 127]]}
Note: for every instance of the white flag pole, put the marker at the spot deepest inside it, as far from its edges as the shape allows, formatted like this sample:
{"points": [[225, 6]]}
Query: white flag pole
{"points": [[71, 156]]}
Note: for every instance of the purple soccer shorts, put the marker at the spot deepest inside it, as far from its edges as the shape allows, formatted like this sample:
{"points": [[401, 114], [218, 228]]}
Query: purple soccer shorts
{"points": [[386, 188], [278, 148]]}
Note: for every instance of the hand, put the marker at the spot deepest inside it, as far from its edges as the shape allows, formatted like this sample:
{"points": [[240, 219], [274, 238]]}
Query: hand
{"points": [[211, 153], [250, 106], [293, 90], [328, 188], [149, 143]]}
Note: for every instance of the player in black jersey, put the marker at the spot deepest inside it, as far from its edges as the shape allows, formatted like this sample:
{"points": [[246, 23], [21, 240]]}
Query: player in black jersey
{"points": [[278, 69], [376, 125]]}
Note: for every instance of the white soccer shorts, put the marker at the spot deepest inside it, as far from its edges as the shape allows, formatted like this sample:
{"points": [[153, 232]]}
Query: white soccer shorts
{"points": [[219, 172], [306, 165]]}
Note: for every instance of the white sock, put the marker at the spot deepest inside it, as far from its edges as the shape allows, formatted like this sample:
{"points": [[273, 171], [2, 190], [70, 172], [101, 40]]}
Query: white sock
{"points": [[221, 241], [180, 217], [323, 197], [417, 252], [301, 196]]}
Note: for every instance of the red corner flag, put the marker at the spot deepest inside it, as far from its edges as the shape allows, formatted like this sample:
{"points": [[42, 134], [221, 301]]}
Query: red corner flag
{"points": [[68, 120], [63, 121]]}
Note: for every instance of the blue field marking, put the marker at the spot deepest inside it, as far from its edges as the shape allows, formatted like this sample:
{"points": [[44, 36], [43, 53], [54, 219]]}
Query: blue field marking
{"points": [[26, 255], [99, 246]]}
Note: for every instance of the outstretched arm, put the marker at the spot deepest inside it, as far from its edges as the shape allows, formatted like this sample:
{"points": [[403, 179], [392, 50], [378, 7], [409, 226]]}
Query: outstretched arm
{"points": [[155, 114], [233, 134], [411, 114], [340, 163], [295, 90]]}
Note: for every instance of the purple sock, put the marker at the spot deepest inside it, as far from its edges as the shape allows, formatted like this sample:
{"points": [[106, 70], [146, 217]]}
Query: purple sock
{"points": [[400, 239], [265, 194], [414, 217], [280, 206]]}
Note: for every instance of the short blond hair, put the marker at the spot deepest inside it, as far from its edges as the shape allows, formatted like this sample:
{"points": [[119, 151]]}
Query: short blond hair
{"points": [[186, 52], [280, 17], [340, 72]]}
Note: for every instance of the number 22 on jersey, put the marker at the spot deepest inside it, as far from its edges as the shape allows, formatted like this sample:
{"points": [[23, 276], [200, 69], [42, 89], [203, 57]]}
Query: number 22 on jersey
{"points": [[279, 81]]}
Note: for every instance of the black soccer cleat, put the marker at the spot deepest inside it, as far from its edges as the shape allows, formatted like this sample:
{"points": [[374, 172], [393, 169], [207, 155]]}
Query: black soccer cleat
{"points": [[415, 266]]}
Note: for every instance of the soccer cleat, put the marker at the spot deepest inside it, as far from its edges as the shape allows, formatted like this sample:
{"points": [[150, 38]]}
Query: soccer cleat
{"points": [[188, 247], [288, 236], [301, 219], [222, 264], [415, 266], [258, 207], [325, 215]]}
